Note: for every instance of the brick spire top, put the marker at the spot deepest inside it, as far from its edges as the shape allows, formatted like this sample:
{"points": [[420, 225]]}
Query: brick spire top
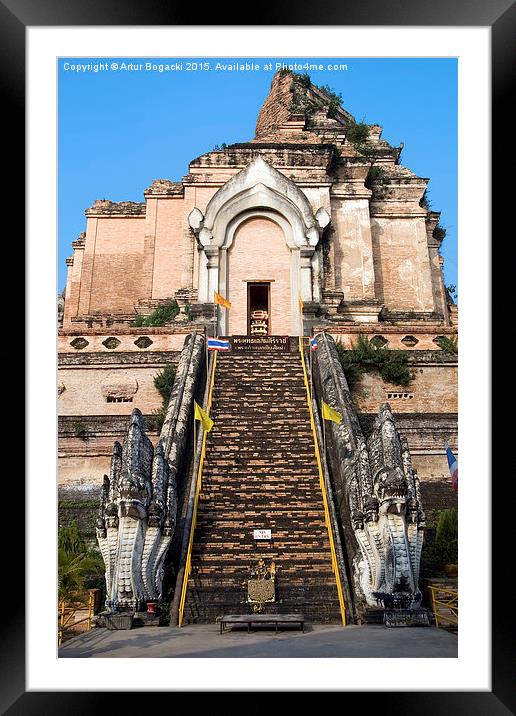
{"points": [[296, 110]]}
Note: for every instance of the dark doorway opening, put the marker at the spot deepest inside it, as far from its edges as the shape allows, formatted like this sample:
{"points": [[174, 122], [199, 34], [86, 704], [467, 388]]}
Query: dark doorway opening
{"points": [[258, 309]]}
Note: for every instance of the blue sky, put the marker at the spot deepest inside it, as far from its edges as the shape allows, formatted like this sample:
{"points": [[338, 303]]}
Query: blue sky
{"points": [[118, 130]]}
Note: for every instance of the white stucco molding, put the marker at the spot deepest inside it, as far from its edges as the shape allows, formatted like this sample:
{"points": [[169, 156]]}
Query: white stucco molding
{"points": [[322, 217], [260, 185], [260, 198], [195, 219]]}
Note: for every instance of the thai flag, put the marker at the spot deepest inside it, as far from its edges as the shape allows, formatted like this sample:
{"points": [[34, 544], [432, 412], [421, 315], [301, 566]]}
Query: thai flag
{"points": [[217, 344], [454, 467], [313, 344]]}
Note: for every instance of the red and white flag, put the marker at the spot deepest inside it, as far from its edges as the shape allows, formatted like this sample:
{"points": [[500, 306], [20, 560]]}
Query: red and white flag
{"points": [[454, 467]]}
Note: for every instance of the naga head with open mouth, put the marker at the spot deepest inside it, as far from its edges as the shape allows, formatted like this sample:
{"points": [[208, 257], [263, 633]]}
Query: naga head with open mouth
{"points": [[391, 489]]}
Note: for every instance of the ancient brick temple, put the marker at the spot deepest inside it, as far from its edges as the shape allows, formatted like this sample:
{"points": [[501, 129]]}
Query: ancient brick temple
{"points": [[317, 211]]}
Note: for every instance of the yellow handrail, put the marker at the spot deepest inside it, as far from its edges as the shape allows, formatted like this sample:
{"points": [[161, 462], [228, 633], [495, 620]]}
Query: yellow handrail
{"points": [[334, 563], [188, 565], [72, 610], [452, 604]]}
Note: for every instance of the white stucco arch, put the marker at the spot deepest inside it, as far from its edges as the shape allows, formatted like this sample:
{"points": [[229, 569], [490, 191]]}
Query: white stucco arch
{"points": [[257, 172], [264, 198], [259, 190]]}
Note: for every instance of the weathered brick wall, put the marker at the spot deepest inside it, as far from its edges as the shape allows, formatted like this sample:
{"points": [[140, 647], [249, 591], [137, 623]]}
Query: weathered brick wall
{"points": [[259, 253], [352, 249], [174, 247], [402, 264], [111, 276], [73, 281], [274, 111], [96, 390], [437, 495], [433, 390]]}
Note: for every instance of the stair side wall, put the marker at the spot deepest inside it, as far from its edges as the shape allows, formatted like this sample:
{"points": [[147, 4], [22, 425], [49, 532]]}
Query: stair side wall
{"points": [[331, 386]]}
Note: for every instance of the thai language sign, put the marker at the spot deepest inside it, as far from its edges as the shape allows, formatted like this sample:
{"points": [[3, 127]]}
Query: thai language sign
{"points": [[260, 343]]}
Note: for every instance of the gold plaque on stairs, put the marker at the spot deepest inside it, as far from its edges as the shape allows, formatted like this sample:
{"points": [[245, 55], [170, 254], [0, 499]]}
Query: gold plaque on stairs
{"points": [[261, 588]]}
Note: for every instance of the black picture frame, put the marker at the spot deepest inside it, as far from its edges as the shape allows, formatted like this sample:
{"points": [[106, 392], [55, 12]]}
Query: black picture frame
{"points": [[500, 16]]}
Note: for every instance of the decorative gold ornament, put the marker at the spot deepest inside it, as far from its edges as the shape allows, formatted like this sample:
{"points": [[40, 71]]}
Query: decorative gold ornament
{"points": [[261, 588]]}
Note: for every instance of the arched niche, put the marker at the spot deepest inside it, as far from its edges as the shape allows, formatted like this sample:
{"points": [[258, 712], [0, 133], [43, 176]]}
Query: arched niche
{"points": [[259, 189], [270, 258]]}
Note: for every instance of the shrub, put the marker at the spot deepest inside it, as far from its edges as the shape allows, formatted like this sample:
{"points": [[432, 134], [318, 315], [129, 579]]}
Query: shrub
{"points": [[448, 344], [159, 317], [443, 548], [80, 431], [139, 321], [431, 565], [304, 80], [446, 537], [375, 174], [364, 357], [451, 292], [154, 422], [439, 232], [424, 202], [163, 382], [335, 98], [357, 132]]}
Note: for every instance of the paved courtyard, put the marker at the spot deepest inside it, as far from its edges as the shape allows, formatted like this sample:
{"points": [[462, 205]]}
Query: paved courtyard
{"points": [[204, 641]]}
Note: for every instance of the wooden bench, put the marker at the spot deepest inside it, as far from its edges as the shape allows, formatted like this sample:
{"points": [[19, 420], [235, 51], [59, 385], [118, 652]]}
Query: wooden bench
{"points": [[271, 620]]}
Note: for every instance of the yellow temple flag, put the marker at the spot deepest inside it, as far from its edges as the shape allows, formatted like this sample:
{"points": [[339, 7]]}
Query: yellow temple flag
{"points": [[205, 419], [300, 303], [330, 414], [221, 300]]}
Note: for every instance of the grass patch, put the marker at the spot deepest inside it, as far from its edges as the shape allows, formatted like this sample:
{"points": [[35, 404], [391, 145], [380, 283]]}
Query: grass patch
{"points": [[78, 504]]}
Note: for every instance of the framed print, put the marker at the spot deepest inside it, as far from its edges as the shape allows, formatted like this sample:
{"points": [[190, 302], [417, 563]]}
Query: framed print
{"points": [[95, 116]]}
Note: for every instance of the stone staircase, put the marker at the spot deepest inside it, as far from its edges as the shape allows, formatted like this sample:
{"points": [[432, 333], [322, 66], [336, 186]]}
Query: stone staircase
{"points": [[260, 472]]}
